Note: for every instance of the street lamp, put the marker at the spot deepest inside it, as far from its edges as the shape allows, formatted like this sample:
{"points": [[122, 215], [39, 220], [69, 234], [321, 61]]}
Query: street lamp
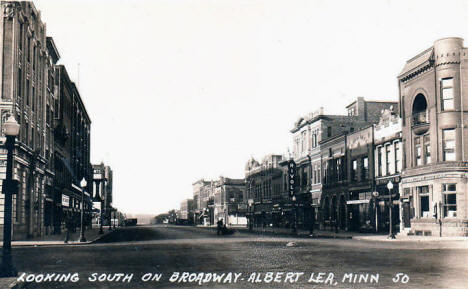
{"points": [[83, 184], [376, 195], [390, 206], [9, 187], [294, 214]]}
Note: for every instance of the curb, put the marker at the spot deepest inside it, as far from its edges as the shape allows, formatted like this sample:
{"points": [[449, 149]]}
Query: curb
{"points": [[72, 243], [299, 235]]}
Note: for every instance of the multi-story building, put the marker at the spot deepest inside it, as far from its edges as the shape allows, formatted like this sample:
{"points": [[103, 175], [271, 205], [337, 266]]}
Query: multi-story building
{"points": [[332, 210], [186, 211], [360, 185], [71, 150], [388, 156], [203, 197], [308, 133], [27, 91], [102, 180], [433, 88], [229, 203], [267, 198]]}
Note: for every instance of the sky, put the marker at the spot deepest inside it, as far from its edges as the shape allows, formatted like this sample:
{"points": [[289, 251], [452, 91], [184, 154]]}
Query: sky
{"points": [[179, 90]]}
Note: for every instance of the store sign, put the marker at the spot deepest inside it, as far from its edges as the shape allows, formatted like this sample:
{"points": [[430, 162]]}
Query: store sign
{"points": [[292, 171], [65, 201], [355, 202]]}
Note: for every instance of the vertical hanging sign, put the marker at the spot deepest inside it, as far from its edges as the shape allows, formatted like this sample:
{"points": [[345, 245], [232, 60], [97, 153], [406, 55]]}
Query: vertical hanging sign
{"points": [[292, 171]]}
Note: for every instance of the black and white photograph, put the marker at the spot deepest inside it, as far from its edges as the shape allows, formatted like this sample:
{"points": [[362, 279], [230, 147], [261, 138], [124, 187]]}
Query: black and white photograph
{"points": [[234, 144]]}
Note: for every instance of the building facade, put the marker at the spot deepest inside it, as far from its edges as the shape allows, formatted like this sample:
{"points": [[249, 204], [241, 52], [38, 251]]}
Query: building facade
{"points": [[71, 153], [433, 89], [103, 195], [388, 156], [186, 211], [267, 199], [229, 205], [203, 198]]}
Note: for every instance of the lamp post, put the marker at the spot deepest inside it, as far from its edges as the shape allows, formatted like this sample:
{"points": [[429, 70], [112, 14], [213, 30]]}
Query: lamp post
{"points": [[251, 201], [9, 187], [376, 195], [83, 184], [294, 229], [390, 206]]}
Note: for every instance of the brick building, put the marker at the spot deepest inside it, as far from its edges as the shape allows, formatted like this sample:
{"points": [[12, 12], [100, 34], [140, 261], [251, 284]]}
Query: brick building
{"points": [[32, 94], [229, 205], [267, 198], [433, 89]]}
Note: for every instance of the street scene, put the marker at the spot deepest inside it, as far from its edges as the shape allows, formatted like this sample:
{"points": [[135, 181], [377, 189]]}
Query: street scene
{"points": [[233, 144], [165, 249]]}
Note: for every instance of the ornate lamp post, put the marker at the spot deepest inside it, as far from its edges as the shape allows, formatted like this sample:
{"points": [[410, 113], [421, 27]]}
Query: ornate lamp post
{"points": [[390, 206], [83, 184], [9, 187]]}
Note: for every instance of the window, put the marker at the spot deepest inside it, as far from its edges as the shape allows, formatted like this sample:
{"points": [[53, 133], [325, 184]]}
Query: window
{"points": [[379, 161], [33, 100], [29, 49], [20, 82], [365, 168], [397, 157], [27, 92], [304, 141], [314, 140], [447, 93], [20, 42], [424, 201], [448, 139], [387, 159], [329, 131], [354, 171], [427, 148], [449, 193], [417, 151]]}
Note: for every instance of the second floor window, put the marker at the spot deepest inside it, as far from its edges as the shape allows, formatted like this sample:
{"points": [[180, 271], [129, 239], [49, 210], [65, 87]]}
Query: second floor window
{"points": [[365, 168], [427, 148], [448, 139], [387, 159], [418, 151], [379, 161], [447, 94], [397, 157]]}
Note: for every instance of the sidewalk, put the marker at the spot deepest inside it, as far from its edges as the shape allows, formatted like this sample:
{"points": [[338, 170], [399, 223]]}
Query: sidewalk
{"points": [[403, 238], [91, 235], [383, 237], [10, 283]]}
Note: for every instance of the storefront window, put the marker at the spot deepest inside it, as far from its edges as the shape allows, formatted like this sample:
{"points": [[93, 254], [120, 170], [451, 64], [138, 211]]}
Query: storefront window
{"points": [[424, 201], [449, 192], [354, 171]]}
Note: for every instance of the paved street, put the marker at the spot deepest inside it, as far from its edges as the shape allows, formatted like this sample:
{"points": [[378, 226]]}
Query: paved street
{"points": [[168, 249]]}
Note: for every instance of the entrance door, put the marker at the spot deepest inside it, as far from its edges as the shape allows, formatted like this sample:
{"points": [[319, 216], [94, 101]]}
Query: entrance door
{"points": [[353, 215], [406, 215]]}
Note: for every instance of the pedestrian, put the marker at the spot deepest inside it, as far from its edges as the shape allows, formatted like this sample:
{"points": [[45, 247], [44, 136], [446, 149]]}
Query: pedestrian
{"points": [[68, 227], [219, 226]]}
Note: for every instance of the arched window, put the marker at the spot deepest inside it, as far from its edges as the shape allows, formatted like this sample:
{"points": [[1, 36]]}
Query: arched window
{"points": [[419, 111]]}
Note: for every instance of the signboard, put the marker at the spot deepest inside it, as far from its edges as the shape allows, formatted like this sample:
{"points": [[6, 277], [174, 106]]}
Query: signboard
{"points": [[355, 202], [292, 171], [65, 201]]}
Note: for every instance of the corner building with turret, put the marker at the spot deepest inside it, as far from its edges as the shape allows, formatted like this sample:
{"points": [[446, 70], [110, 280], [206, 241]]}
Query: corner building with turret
{"points": [[433, 91]]}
